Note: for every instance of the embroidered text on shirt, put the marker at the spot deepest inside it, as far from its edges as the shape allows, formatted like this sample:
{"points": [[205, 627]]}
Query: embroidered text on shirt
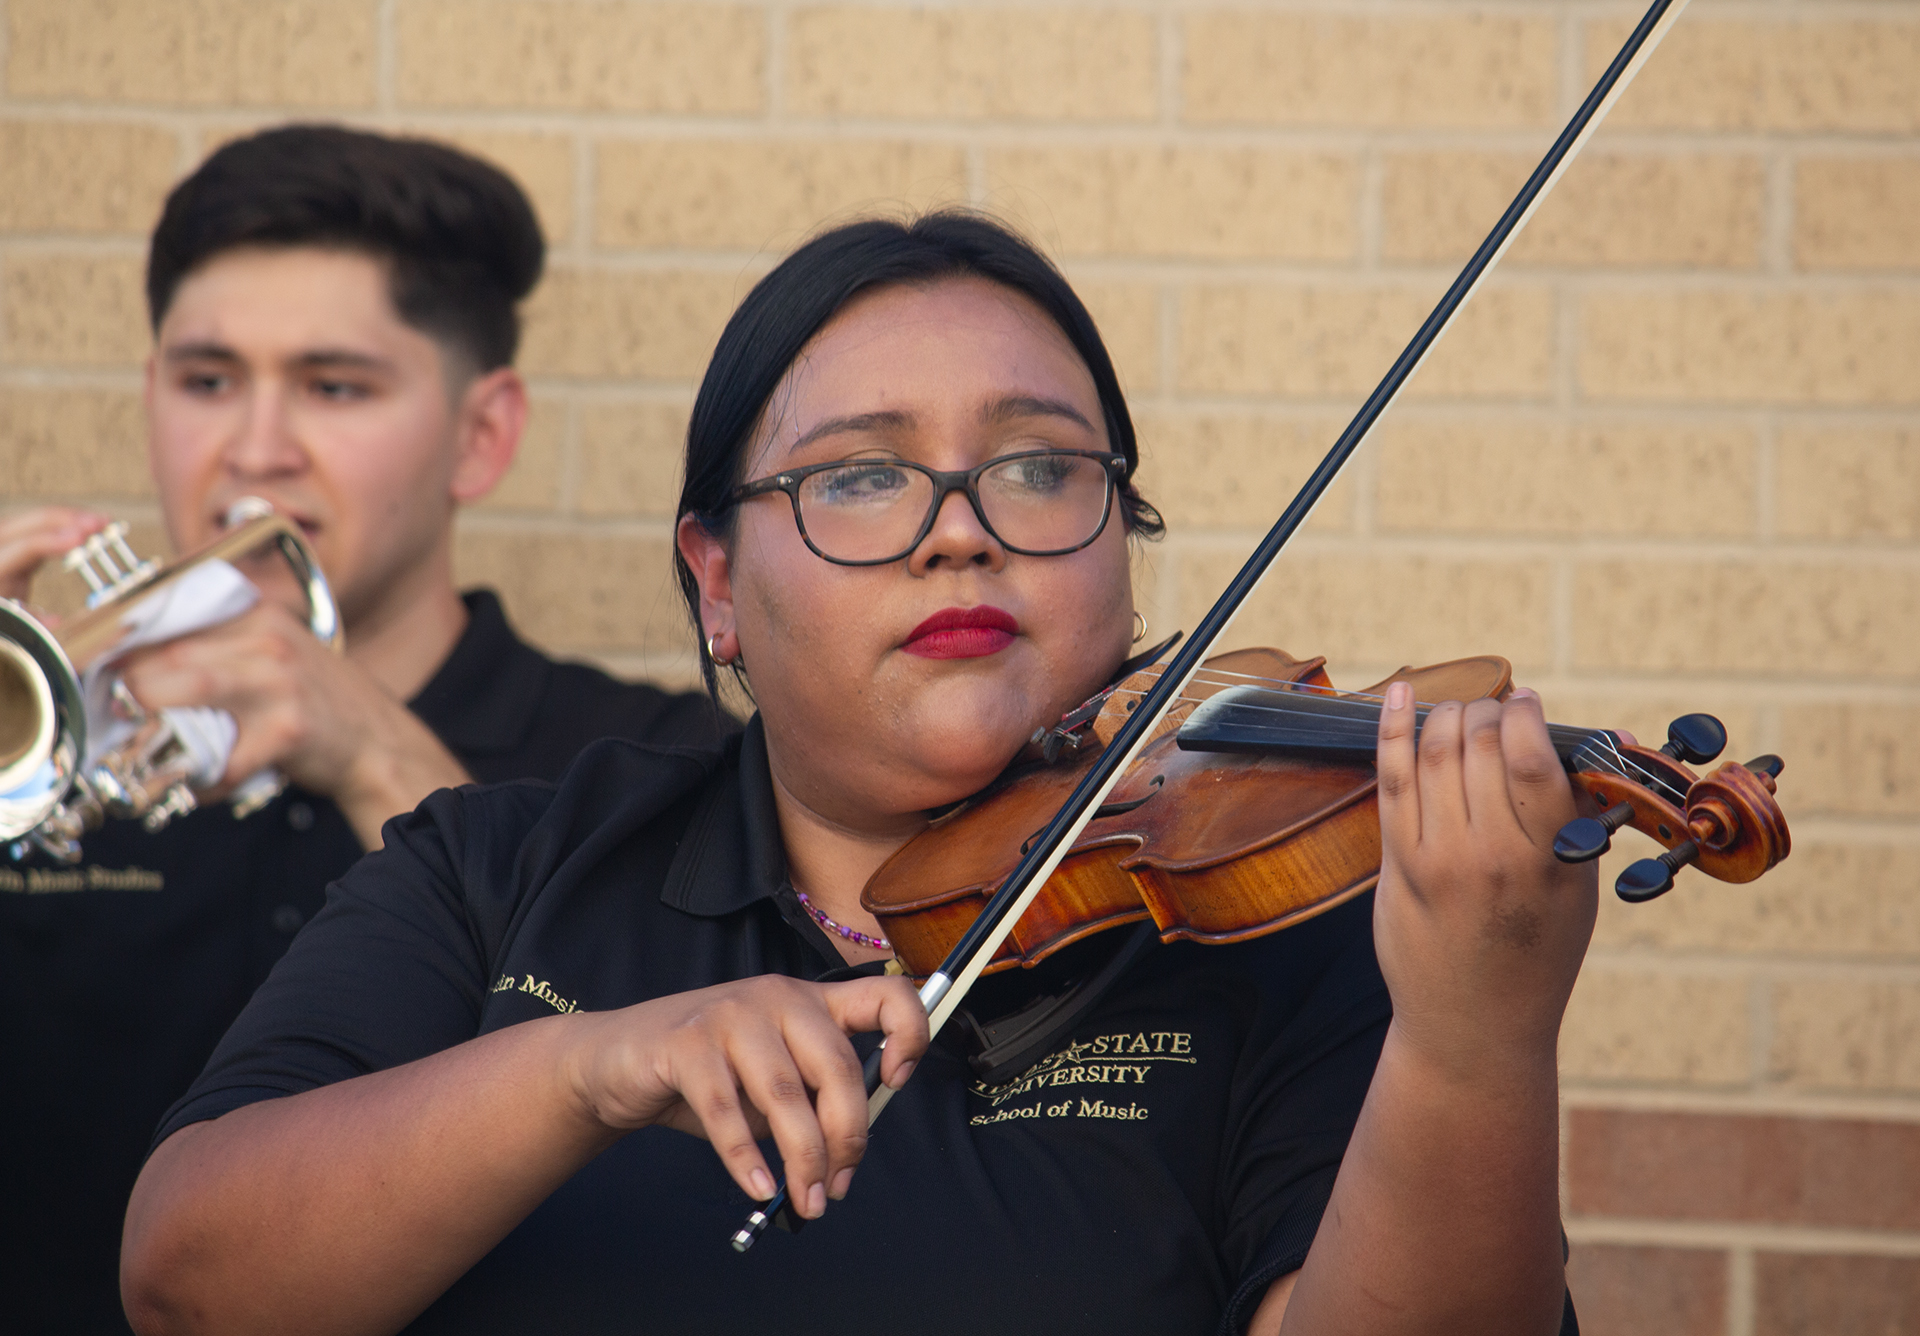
{"points": [[540, 988], [1116, 1059]]}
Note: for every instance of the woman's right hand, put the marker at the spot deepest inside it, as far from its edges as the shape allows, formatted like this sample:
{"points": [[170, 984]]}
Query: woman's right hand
{"points": [[29, 537], [765, 1056]]}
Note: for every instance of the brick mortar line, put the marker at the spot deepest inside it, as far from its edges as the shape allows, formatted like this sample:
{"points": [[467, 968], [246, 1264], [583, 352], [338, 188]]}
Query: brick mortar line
{"points": [[990, 134], [567, 481], [1764, 12], [1766, 469], [1768, 967], [1899, 831], [1741, 1288], [56, 244], [584, 154], [1761, 1014], [1803, 1239], [1335, 412], [1641, 548], [1282, 272], [1576, 1096], [74, 378], [1778, 216], [679, 393], [774, 75], [1896, 829], [1348, 270], [1166, 343], [386, 57], [1410, 8], [1534, 411], [1586, 9], [1561, 613], [549, 524], [1570, 63], [1169, 33], [1866, 832], [1370, 212]]}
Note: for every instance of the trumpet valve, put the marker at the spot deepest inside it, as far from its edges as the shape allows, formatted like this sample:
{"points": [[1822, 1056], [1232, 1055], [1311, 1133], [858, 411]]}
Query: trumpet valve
{"points": [[178, 800], [107, 564]]}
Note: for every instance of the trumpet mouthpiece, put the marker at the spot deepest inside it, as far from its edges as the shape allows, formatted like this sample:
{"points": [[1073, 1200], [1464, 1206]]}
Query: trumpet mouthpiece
{"points": [[245, 509]]}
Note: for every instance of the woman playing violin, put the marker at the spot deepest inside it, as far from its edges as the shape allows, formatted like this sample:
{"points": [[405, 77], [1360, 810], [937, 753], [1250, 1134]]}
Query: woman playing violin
{"points": [[473, 1096]]}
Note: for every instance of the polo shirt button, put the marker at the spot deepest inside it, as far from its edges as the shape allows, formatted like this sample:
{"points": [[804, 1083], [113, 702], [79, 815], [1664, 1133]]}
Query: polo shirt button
{"points": [[300, 817], [287, 919]]}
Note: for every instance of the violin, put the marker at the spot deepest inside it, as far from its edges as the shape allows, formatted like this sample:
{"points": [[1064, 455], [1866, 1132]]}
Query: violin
{"points": [[1254, 807]]}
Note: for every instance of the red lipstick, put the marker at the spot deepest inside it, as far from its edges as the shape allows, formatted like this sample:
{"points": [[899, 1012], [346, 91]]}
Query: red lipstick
{"points": [[962, 633]]}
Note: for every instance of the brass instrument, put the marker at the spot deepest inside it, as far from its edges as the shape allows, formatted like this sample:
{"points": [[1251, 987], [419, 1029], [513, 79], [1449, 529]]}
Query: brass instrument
{"points": [[50, 795]]}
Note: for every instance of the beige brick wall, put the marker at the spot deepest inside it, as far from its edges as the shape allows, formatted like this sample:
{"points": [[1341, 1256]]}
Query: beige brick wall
{"points": [[1669, 460]]}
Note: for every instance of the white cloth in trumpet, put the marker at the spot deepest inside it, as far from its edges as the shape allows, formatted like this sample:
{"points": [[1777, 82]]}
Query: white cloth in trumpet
{"points": [[206, 595]]}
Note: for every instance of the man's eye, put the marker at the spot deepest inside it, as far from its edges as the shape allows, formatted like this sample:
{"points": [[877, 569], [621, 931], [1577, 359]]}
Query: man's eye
{"points": [[204, 383], [339, 390]]}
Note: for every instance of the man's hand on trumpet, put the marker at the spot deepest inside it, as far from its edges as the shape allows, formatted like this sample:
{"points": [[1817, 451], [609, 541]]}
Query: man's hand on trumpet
{"points": [[320, 719], [29, 538]]}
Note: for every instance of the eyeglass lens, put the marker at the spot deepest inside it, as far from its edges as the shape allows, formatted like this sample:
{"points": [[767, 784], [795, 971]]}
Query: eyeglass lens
{"points": [[872, 510]]}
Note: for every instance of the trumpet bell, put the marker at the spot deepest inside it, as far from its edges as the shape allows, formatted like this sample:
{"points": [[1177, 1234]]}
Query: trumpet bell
{"points": [[43, 722]]}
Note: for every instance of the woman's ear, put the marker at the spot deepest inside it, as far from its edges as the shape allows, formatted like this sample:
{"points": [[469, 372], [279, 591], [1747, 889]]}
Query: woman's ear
{"points": [[492, 414], [706, 556]]}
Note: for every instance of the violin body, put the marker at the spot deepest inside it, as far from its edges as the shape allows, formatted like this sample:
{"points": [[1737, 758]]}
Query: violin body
{"points": [[1223, 845]]}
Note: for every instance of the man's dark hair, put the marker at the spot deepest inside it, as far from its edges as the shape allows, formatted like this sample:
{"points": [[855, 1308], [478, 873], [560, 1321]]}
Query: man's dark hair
{"points": [[459, 240], [790, 305]]}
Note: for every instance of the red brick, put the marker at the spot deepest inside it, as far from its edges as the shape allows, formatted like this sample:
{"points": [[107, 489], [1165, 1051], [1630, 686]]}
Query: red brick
{"points": [[1620, 1291], [1800, 1295], [1767, 1170]]}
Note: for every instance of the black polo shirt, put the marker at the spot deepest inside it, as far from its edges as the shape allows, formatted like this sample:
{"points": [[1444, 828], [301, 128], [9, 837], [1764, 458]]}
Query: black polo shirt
{"points": [[119, 975], [1152, 1174]]}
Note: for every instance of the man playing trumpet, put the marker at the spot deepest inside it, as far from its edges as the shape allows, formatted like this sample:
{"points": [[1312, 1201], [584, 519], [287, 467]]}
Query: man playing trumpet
{"points": [[334, 320]]}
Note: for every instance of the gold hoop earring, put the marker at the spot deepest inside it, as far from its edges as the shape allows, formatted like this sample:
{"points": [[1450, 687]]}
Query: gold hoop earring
{"points": [[1139, 627], [718, 662]]}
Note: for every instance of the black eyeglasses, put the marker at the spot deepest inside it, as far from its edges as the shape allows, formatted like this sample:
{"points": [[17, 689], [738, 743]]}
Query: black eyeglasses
{"points": [[867, 512]]}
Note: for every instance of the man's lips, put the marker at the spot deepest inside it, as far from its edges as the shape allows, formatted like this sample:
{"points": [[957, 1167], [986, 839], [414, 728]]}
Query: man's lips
{"points": [[305, 524], [962, 633]]}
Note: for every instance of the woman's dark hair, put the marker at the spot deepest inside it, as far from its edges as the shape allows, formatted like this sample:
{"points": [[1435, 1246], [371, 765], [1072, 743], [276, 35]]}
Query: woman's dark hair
{"points": [[460, 242], [789, 306]]}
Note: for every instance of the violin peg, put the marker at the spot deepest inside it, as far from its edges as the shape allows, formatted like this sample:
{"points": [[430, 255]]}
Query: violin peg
{"points": [[1651, 878], [1768, 765], [1585, 838], [1581, 840], [1645, 880], [1695, 738]]}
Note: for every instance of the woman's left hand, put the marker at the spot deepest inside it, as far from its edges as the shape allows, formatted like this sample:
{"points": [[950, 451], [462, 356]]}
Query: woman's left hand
{"points": [[1480, 930]]}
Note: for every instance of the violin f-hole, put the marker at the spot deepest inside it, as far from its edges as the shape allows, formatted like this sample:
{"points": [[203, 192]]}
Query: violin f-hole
{"points": [[1105, 809]]}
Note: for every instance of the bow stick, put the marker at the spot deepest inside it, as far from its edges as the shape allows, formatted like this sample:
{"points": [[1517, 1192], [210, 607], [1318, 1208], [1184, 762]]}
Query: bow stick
{"points": [[947, 987]]}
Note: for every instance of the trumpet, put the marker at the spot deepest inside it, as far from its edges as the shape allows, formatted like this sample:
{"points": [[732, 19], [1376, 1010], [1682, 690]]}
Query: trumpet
{"points": [[52, 790]]}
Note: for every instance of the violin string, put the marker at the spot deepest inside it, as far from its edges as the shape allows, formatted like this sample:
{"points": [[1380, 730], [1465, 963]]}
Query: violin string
{"points": [[1609, 758], [1600, 745]]}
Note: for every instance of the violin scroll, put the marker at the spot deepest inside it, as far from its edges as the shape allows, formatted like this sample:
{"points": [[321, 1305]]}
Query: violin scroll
{"points": [[1727, 824]]}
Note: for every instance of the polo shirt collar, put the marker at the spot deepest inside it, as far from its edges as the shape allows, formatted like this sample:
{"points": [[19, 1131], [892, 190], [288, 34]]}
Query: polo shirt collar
{"points": [[482, 700], [731, 856]]}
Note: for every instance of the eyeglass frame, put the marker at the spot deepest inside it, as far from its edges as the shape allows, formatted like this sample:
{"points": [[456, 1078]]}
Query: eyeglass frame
{"points": [[946, 482]]}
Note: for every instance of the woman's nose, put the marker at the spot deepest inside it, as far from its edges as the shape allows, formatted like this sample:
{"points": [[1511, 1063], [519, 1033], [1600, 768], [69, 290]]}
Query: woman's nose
{"points": [[957, 538]]}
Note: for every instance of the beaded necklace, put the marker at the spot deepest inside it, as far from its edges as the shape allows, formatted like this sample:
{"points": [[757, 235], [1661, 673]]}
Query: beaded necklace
{"points": [[851, 934]]}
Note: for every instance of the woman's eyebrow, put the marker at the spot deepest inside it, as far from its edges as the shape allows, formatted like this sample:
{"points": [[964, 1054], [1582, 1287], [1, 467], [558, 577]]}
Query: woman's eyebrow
{"points": [[889, 420], [1028, 405]]}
